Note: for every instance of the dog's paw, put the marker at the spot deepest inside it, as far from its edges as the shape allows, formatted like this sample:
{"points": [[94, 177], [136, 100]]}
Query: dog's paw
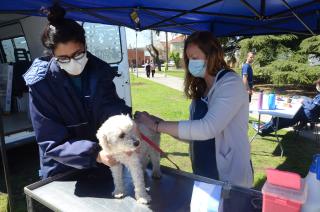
{"points": [[156, 175], [118, 194], [145, 199]]}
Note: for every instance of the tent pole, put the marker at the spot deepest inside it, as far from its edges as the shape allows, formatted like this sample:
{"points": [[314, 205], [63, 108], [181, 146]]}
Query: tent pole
{"points": [[251, 8], [263, 8], [5, 164], [299, 19], [280, 14], [137, 54], [198, 12], [96, 15], [167, 56], [182, 14], [172, 21], [263, 25]]}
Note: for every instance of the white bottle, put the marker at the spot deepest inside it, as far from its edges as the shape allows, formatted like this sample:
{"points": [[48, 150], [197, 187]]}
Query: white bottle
{"points": [[312, 203]]}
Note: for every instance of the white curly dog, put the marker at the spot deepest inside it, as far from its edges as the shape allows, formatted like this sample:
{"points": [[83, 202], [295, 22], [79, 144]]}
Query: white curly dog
{"points": [[119, 135]]}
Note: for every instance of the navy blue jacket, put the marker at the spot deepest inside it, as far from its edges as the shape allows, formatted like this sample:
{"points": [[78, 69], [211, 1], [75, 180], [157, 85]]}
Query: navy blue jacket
{"points": [[65, 123]]}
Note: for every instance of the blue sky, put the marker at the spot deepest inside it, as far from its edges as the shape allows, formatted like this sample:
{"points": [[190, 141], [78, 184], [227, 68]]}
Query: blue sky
{"points": [[143, 37]]}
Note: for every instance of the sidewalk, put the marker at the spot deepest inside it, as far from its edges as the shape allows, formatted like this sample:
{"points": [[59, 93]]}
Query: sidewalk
{"points": [[159, 77], [177, 83]]}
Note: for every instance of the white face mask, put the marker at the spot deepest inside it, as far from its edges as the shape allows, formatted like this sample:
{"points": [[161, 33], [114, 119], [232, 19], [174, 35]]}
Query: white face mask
{"points": [[74, 67], [318, 88]]}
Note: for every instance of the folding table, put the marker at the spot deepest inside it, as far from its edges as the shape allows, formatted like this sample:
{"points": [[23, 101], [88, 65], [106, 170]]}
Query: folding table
{"points": [[90, 190], [282, 111]]}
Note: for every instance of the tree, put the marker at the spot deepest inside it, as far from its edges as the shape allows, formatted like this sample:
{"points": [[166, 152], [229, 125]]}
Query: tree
{"points": [[269, 47], [153, 51], [311, 46], [175, 56], [230, 46]]}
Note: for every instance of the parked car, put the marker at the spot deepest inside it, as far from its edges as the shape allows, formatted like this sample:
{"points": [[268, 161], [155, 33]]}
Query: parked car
{"points": [[171, 63]]}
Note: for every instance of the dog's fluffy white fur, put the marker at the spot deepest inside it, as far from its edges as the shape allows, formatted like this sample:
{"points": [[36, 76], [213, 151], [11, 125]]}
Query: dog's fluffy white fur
{"points": [[119, 135]]}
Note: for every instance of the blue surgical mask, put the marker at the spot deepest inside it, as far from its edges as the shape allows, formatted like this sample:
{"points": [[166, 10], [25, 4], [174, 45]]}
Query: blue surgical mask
{"points": [[197, 68]]}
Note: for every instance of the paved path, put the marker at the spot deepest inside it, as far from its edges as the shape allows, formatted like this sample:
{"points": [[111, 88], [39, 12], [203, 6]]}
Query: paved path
{"points": [[169, 81], [177, 83]]}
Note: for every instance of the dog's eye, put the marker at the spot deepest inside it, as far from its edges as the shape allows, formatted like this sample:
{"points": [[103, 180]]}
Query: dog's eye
{"points": [[122, 135]]}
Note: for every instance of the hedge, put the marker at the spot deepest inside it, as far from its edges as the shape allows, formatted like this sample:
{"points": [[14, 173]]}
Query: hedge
{"points": [[287, 72]]}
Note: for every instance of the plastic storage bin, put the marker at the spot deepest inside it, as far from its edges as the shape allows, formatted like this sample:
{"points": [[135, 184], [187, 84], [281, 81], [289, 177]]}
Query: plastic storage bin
{"points": [[281, 199]]}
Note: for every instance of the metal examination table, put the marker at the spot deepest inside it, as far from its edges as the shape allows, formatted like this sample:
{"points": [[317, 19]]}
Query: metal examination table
{"points": [[90, 190]]}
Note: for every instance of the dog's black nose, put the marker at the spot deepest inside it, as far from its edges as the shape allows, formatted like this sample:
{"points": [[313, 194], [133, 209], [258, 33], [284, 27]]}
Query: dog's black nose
{"points": [[136, 143]]}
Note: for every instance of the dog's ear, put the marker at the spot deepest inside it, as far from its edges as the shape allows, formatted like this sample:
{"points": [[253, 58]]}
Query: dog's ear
{"points": [[101, 136], [103, 140]]}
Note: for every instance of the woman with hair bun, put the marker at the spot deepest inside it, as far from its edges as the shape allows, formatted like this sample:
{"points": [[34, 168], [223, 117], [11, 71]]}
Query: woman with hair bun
{"points": [[71, 94]]}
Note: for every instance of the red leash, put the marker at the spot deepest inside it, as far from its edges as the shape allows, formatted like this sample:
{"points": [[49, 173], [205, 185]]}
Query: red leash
{"points": [[155, 147]]}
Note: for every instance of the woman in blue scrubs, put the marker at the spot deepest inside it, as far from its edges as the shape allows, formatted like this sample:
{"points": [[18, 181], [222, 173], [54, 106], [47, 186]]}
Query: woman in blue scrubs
{"points": [[71, 94]]}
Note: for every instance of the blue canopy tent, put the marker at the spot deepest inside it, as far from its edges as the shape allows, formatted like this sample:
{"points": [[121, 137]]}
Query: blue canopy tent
{"points": [[222, 17]]}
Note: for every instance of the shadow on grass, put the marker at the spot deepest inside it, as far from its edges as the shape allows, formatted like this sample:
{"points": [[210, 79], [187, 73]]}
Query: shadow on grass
{"points": [[298, 152], [258, 185], [23, 169]]}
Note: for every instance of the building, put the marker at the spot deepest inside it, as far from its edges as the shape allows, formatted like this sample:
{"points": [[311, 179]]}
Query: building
{"points": [[142, 58], [177, 44]]}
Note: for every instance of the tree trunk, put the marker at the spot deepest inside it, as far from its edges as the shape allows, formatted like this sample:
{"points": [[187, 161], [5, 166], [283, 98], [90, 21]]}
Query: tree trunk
{"points": [[154, 53]]}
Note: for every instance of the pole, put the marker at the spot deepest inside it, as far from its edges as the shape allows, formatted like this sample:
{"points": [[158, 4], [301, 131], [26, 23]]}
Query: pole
{"points": [[137, 53], [167, 56], [5, 164]]}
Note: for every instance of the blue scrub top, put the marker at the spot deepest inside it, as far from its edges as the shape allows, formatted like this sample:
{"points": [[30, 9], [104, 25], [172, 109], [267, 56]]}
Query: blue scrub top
{"points": [[204, 152]]}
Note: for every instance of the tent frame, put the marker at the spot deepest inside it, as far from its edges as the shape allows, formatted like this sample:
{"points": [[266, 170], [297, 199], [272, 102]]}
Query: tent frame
{"points": [[278, 17]]}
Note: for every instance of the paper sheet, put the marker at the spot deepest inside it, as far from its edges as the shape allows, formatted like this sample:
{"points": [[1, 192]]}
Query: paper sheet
{"points": [[205, 197]]}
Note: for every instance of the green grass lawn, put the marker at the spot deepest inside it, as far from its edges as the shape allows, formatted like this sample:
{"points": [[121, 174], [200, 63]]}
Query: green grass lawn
{"points": [[3, 202], [176, 72], [169, 104]]}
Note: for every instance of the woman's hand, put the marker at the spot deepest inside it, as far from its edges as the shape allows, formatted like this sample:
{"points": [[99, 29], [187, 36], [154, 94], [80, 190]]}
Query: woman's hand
{"points": [[147, 119], [106, 159]]}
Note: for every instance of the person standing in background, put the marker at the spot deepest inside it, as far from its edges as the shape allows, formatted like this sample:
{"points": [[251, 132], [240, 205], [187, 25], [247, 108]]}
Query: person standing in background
{"points": [[153, 68], [147, 68], [247, 73]]}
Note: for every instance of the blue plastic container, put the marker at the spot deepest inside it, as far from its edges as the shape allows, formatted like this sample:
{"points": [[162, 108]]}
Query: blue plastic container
{"points": [[272, 101]]}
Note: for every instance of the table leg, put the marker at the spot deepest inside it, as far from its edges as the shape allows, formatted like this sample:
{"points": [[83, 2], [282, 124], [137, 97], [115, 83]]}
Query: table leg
{"points": [[253, 137], [278, 140], [30, 207]]}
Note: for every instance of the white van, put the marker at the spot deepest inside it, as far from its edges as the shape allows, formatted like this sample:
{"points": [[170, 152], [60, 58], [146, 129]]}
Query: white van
{"points": [[20, 44]]}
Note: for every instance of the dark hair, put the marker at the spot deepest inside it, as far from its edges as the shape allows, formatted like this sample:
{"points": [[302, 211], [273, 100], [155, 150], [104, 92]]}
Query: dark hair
{"points": [[60, 29], [195, 87]]}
